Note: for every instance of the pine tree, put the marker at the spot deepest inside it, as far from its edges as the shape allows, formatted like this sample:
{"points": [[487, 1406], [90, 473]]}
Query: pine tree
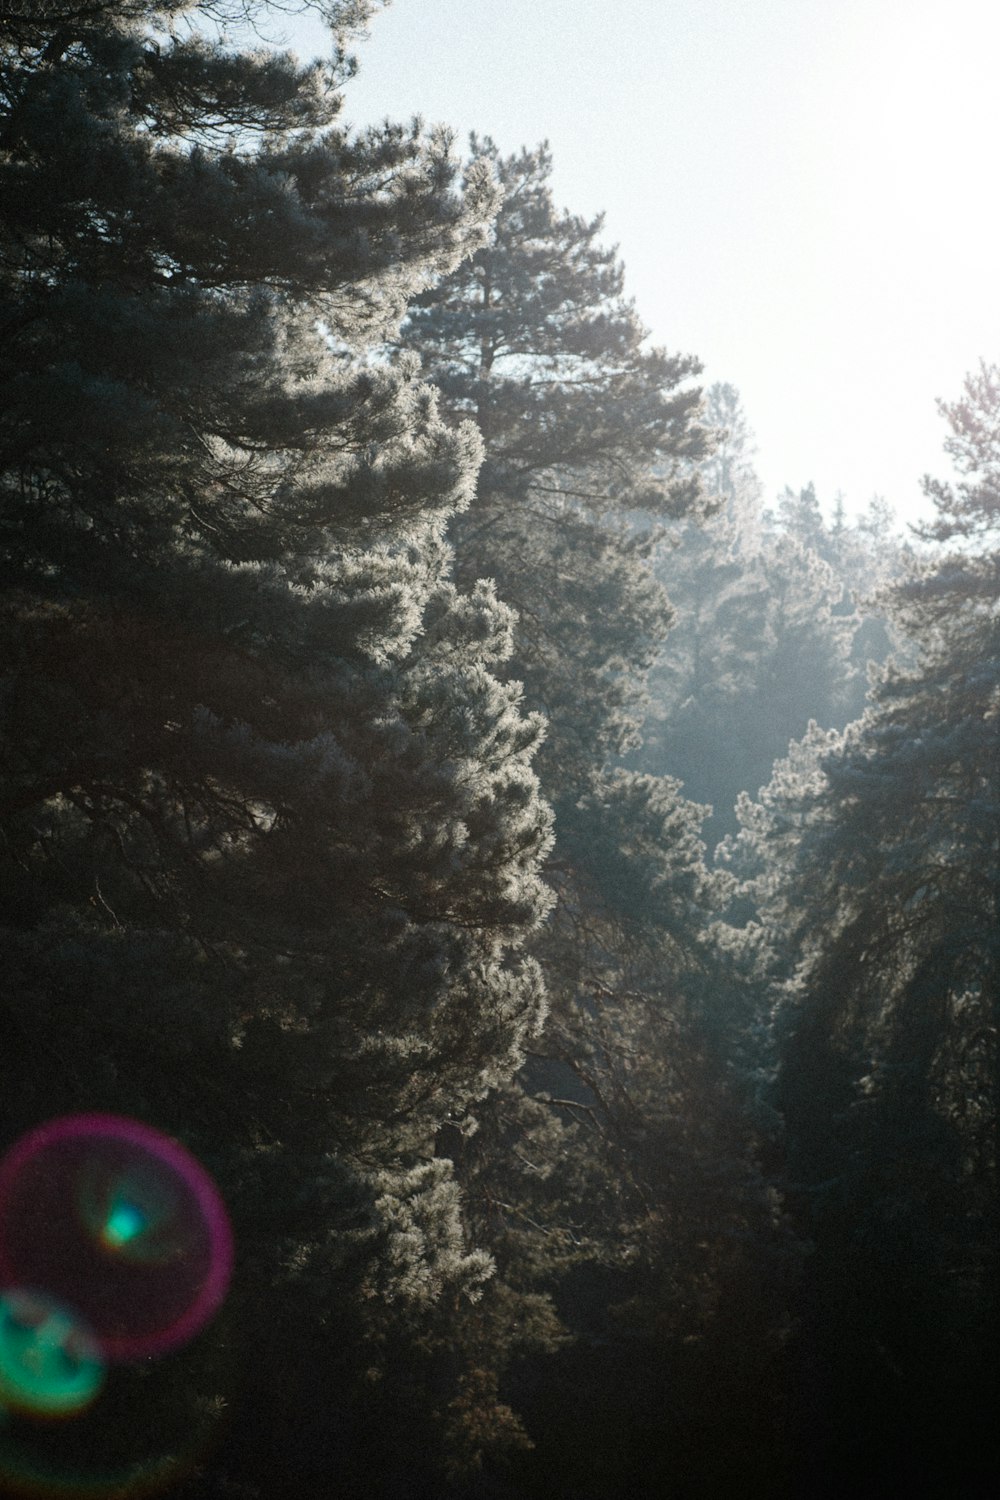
{"points": [[763, 635], [728, 471], [584, 428], [272, 840], [583, 425], [878, 856], [575, 1175]]}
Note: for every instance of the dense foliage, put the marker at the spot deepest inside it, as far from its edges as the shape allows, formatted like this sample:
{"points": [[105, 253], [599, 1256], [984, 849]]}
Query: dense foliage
{"points": [[874, 860], [777, 621], [272, 839], [594, 456]]}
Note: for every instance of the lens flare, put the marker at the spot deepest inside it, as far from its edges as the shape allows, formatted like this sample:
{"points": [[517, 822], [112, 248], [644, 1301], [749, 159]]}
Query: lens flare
{"points": [[119, 1223], [124, 1223], [50, 1364], [134, 1214]]}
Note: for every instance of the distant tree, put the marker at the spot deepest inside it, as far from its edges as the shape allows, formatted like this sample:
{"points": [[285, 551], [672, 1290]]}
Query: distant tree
{"points": [[271, 837], [728, 471], [867, 555], [762, 640], [798, 515]]}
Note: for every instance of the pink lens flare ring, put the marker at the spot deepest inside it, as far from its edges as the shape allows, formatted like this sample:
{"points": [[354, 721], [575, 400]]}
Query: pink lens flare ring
{"points": [[120, 1223]]}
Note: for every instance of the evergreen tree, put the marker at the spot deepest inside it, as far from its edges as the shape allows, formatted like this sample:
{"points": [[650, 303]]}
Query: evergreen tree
{"points": [[877, 853], [866, 556], [586, 1177], [272, 839], [728, 471], [762, 640], [583, 424], [584, 427], [799, 516]]}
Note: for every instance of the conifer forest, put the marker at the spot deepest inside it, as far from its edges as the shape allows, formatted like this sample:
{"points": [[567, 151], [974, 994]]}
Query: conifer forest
{"points": [[500, 960]]}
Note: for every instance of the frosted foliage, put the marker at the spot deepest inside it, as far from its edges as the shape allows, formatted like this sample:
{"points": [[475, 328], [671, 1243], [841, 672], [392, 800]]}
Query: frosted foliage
{"points": [[300, 837]]}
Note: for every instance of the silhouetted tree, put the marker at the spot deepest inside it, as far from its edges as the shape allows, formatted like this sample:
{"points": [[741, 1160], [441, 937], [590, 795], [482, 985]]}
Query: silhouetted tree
{"points": [[271, 837], [878, 860]]}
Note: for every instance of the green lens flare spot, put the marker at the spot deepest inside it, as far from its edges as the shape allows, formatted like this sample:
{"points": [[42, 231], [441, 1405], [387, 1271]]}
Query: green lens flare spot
{"points": [[49, 1363], [124, 1223], [132, 1213]]}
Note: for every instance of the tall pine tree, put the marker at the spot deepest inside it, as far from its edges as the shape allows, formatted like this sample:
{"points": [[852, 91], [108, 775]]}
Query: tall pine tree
{"points": [[582, 424], [271, 837], [576, 1175], [878, 853]]}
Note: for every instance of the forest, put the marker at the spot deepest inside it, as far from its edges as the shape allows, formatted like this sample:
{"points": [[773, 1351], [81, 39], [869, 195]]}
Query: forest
{"points": [[547, 886]]}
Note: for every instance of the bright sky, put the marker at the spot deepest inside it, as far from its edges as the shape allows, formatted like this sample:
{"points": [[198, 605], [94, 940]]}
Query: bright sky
{"points": [[804, 192]]}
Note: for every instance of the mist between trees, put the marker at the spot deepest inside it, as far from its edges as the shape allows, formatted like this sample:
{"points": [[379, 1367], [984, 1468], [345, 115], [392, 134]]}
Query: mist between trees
{"points": [[551, 885]]}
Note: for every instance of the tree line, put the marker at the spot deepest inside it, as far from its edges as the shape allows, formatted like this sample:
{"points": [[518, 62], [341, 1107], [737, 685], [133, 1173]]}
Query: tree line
{"points": [[554, 893]]}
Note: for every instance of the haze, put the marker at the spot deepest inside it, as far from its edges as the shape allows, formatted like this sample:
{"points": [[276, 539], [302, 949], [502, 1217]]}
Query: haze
{"points": [[801, 193]]}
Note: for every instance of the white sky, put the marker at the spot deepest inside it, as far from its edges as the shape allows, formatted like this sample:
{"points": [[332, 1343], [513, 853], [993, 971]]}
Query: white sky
{"points": [[804, 192]]}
